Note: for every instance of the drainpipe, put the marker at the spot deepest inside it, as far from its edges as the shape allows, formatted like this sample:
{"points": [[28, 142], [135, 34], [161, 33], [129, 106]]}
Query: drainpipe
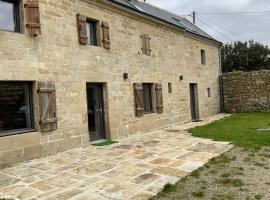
{"points": [[222, 109]]}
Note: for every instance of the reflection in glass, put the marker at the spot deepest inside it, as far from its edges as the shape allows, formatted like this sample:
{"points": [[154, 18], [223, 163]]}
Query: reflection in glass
{"points": [[15, 110], [7, 18], [91, 33], [147, 97]]}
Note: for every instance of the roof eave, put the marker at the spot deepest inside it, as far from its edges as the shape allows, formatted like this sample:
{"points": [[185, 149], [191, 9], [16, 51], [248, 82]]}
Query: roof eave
{"points": [[206, 38]]}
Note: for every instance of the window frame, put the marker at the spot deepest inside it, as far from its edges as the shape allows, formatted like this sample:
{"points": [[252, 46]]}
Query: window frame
{"points": [[95, 25], [150, 95], [30, 106], [16, 16], [203, 57]]}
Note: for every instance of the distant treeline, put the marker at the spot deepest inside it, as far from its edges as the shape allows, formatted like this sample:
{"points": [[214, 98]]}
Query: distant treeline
{"points": [[245, 56]]}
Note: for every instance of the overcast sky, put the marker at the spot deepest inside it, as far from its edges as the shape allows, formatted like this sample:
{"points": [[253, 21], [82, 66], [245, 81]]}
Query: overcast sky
{"points": [[240, 26]]}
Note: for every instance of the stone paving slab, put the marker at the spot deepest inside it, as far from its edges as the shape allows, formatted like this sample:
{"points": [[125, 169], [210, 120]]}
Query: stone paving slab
{"points": [[136, 168]]}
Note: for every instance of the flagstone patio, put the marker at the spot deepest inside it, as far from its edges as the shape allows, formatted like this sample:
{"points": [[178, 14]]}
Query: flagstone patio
{"points": [[136, 168]]}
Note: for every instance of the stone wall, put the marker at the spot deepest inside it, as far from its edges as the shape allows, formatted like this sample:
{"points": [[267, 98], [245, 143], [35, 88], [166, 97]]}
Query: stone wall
{"points": [[247, 91], [56, 55]]}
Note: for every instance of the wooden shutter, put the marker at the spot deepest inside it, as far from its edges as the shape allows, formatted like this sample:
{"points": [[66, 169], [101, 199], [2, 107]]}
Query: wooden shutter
{"points": [[147, 45], [82, 33], [106, 35], [32, 17], [47, 106], [159, 98], [143, 40], [146, 49], [139, 105]]}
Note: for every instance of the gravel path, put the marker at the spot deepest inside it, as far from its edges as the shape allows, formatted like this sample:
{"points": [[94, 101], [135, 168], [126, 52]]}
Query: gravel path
{"points": [[238, 174]]}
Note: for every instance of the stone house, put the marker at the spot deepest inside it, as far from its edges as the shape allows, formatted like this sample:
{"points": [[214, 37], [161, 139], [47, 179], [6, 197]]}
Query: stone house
{"points": [[75, 71]]}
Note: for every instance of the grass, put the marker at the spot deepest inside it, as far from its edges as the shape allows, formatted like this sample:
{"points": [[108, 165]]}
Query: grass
{"points": [[225, 175], [239, 129], [258, 196], [105, 143], [198, 193], [234, 182], [169, 188], [227, 196], [222, 159], [195, 173]]}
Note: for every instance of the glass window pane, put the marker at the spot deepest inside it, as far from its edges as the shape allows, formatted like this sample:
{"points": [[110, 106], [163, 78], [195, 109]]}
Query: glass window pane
{"points": [[209, 92], [147, 97], [15, 112], [88, 33], [91, 32], [7, 16]]}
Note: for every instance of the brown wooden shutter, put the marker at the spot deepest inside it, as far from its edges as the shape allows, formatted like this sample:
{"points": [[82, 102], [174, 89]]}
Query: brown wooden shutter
{"points": [[47, 106], [143, 40], [159, 98], [106, 35], [82, 33], [146, 49], [147, 45], [139, 105], [32, 17]]}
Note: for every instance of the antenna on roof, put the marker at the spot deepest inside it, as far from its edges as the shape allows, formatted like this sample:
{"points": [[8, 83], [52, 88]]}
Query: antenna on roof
{"points": [[194, 17]]}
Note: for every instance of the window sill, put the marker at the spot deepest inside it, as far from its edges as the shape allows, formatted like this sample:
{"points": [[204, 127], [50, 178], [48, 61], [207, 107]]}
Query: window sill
{"points": [[3, 30], [94, 47], [146, 55], [151, 112], [16, 132]]}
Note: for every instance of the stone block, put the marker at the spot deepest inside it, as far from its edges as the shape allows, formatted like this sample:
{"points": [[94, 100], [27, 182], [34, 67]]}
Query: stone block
{"points": [[32, 152], [11, 157]]}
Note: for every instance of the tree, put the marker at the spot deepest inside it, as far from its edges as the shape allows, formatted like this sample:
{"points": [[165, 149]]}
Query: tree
{"points": [[245, 56]]}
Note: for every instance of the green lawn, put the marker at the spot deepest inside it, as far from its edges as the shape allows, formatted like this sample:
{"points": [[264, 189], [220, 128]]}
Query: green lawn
{"points": [[239, 129], [238, 173]]}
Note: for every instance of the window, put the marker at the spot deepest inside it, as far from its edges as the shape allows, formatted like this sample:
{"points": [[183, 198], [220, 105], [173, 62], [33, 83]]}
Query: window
{"points": [[15, 107], [203, 58], [147, 98], [91, 29], [145, 39], [209, 92], [9, 15], [170, 87]]}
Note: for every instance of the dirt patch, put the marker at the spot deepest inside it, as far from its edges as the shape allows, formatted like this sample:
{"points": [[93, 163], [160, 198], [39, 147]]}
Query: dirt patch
{"points": [[239, 174]]}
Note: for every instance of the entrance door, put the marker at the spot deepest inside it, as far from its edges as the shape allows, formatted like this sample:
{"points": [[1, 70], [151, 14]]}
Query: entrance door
{"points": [[95, 111], [194, 101]]}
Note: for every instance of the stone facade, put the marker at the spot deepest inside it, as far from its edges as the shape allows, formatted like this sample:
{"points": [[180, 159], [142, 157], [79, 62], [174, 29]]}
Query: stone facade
{"points": [[247, 91], [56, 55]]}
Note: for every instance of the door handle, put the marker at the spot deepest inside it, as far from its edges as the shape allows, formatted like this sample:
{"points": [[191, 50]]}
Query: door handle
{"points": [[99, 110]]}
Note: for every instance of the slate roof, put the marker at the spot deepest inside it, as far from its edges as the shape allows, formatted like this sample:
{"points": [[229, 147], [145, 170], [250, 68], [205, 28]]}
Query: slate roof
{"points": [[163, 15]]}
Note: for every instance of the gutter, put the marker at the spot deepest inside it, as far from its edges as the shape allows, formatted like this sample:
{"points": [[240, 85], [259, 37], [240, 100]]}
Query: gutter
{"points": [[222, 107]]}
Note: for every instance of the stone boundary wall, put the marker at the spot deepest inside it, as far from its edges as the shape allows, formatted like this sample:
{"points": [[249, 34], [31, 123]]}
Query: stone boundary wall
{"points": [[247, 91]]}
